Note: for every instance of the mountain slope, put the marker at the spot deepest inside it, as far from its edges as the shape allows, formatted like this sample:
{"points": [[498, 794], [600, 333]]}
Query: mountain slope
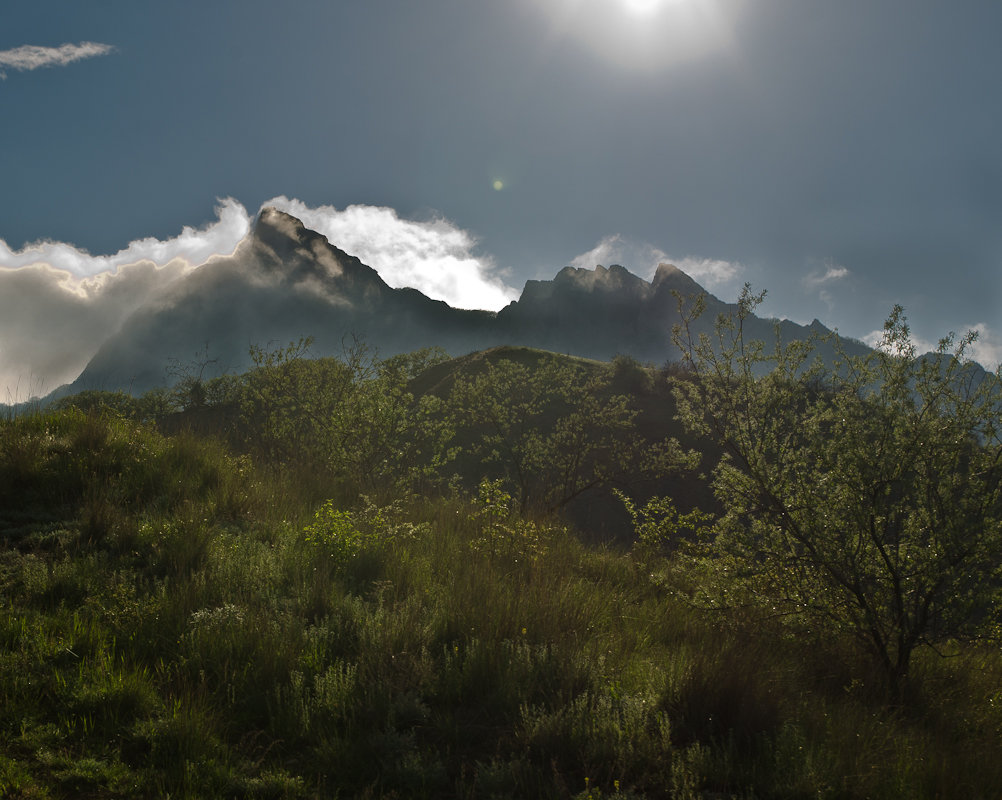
{"points": [[285, 282], [282, 283]]}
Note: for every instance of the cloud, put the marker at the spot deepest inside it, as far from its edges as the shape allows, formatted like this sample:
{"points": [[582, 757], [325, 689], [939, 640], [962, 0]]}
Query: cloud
{"points": [[59, 303], [709, 272], [29, 57], [435, 257], [831, 274], [986, 349], [193, 245], [643, 259], [53, 322], [822, 280]]}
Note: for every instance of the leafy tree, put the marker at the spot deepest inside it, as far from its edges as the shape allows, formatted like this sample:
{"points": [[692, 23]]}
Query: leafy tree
{"points": [[864, 496], [285, 398], [554, 431], [351, 416]]}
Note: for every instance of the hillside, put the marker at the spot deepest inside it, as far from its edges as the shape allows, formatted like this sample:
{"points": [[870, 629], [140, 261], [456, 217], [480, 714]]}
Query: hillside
{"points": [[331, 579]]}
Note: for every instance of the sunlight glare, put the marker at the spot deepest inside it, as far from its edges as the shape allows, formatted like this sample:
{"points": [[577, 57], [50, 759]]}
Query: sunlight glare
{"points": [[642, 6], [644, 35]]}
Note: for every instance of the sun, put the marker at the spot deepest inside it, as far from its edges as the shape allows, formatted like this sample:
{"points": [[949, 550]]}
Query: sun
{"points": [[649, 7], [642, 6], [644, 35]]}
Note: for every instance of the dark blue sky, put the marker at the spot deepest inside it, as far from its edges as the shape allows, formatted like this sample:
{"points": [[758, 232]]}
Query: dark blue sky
{"points": [[843, 155]]}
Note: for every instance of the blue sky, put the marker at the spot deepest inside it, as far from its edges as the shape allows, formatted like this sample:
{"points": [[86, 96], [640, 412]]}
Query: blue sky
{"points": [[844, 156]]}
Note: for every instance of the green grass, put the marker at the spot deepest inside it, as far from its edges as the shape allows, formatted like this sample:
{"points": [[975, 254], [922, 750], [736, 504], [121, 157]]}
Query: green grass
{"points": [[175, 620]]}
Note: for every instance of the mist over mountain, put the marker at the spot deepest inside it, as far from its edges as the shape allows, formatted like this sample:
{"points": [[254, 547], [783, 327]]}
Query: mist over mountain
{"points": [[285, 281]]}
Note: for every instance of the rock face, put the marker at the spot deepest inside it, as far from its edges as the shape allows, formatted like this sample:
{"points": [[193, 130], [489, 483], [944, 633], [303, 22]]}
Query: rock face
{"points": [[285, 281]]}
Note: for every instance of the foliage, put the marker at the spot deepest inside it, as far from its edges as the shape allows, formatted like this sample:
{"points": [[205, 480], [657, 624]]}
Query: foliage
{"points": [[555, 431], [341, 535], [503, 531], [631, 374], [96, 401], [865, 497], [351, 417], [659, 525], [333, 531], [173, 623]]}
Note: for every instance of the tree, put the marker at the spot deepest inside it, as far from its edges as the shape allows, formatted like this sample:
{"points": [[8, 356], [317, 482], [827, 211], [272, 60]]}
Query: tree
{"points": [[353, 418], [862, 496], [554, 431]]}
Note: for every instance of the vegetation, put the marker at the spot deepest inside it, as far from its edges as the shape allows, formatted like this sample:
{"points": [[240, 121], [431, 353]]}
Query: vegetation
{"points": [[865, 496], [346, 578], [556, 431]]}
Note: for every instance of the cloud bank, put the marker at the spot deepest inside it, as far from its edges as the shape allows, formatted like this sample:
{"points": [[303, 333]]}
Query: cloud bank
{"points": [[643, 259], [53, 322], [29, 57], [193, 245], [59, 303]]}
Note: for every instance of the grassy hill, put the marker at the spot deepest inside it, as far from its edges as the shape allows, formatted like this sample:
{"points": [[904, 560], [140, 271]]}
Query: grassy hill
{"points": [[236, 612]]}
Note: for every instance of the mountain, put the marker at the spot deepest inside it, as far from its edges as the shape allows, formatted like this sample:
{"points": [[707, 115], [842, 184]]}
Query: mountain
{"points": [[284, 282]]}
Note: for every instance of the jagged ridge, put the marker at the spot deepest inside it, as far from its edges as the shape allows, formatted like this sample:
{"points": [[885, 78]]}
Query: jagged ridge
{"points": [[285, 281]]}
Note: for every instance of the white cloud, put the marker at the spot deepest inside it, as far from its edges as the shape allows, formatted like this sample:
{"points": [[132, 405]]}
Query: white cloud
{"points": [[29, 57], [709, 272], [643, 259], [832, 273], [194, 246], [435, 257], [58, 303], [986, 349]]}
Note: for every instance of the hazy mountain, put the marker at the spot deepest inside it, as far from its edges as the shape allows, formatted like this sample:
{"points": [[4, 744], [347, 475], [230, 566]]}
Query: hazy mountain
{"points": [[285, 281]]}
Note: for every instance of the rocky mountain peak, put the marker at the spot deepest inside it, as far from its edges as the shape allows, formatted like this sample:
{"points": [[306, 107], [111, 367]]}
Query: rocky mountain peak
{"points": [[669, 277], [286, 247], [615, 278], [284, 233]]}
